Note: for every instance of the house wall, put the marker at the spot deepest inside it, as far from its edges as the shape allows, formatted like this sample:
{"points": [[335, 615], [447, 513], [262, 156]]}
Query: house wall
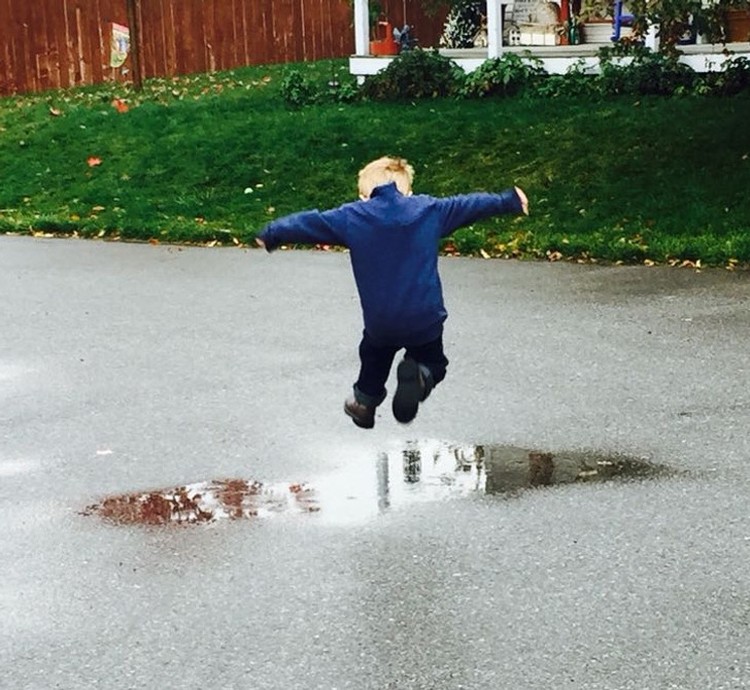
{"points": [[48, 44]]}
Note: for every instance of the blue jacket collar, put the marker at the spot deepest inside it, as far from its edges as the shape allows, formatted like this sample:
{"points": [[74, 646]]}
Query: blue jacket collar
{"points": [[387, 189]]}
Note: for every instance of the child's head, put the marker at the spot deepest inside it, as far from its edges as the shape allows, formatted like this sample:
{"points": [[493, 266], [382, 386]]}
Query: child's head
{"points": [[384, 170]]}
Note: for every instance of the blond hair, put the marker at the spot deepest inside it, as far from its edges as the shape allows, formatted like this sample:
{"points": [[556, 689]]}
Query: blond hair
{"points": [[384, 170]]}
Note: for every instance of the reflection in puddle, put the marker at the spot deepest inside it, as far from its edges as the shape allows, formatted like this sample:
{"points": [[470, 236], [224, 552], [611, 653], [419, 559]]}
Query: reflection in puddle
{"points": [[424, 471], [205, 502]]}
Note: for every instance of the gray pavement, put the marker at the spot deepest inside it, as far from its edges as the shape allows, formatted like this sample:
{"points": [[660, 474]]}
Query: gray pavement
{"points": [[126, 368]]}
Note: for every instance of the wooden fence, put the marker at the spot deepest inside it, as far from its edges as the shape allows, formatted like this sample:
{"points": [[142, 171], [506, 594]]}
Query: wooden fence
{"points": [[48, 44]]}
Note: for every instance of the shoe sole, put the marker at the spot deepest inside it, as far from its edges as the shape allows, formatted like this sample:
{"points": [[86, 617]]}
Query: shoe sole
{"points": [[369, 424], [409, 391]]}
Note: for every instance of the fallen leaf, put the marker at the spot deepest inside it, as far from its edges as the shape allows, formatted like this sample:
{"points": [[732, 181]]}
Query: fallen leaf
{"points": [[93, 161], [484, 254], [55, 112], [120, 106]]}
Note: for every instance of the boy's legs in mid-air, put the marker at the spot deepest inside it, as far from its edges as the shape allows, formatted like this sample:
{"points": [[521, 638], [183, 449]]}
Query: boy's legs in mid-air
{"points": [[422, 368], [369, 390]]}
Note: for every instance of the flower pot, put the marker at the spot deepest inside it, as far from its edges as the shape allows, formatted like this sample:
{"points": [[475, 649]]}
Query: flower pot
{"points": [[737, 25], [597, 32], [384, 46]]}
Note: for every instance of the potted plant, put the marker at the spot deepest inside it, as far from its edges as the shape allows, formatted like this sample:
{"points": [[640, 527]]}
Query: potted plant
{"points": [[677, 22], [382, 41], [595, 21]]}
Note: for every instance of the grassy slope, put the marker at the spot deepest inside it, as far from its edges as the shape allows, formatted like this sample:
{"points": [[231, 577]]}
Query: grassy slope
{"points": [[617, 179]]}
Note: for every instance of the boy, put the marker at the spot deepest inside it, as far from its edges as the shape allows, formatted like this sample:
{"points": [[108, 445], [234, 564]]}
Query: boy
{"points": [[393, 240]]}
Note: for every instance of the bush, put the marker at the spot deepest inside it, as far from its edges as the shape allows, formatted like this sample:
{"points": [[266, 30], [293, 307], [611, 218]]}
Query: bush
{"points": [[733, 78], [463, 23], [503, 76], [649, 73], [415, 74], [297, 89]]}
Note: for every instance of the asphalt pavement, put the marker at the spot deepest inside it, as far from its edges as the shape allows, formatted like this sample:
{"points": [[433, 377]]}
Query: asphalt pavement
{"points": [[129, 370]]}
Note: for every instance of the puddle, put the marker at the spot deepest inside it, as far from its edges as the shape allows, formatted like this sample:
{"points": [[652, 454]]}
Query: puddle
{"points": [[203, 502], [424, 471]]}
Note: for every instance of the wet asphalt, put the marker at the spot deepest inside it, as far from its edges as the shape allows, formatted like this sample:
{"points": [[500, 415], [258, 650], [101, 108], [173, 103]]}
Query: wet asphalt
{"points": [[128, 368]]}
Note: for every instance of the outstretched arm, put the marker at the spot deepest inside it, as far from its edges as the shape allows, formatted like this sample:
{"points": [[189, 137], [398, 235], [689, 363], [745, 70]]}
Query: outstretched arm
{"points": [[465, 209], [306, 227]]}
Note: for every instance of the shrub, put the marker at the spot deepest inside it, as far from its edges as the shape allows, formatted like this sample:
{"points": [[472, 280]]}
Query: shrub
{"points": [[415, 74], [648, 73], [297, 89], [503, 76], [575, 82], [463, 23], [733, 78]]}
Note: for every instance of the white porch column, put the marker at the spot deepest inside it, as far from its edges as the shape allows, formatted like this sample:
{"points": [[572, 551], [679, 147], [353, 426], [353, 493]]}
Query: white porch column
{"points": [[651, 40], [494, 28], [362, 27]]}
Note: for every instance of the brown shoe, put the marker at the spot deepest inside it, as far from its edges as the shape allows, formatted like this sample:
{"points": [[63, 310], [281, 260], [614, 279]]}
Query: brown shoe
{"points": [[362, 415]]}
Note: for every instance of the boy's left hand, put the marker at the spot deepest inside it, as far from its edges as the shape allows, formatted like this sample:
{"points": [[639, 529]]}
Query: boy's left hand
{"points": [[524, 200]]}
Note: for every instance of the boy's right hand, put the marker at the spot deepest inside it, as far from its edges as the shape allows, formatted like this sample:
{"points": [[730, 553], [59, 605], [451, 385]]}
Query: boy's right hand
{"points": [[524, 200]]}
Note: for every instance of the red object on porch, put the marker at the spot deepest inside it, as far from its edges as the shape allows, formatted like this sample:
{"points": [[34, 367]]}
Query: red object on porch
{"points": [[564, 20], [386, 45]]}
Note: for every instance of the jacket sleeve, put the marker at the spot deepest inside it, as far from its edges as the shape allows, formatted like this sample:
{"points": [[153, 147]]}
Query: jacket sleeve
{"points": [[306, 227], [465, 209]]}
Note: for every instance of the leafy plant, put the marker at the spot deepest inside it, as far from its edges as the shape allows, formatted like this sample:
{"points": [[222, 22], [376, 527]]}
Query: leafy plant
{"points": [[595, 10], [298, 90], [575, 82], [462, 24], [675, 20], [415, 74], [733, 78], [503, 76], [649, 73]]}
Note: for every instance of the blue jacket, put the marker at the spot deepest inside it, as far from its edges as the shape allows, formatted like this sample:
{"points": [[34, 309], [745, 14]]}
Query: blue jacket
{"points": [[393, 242]]}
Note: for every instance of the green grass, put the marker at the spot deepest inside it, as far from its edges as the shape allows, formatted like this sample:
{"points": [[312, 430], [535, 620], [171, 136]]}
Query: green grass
{"points": [[213, 158]]}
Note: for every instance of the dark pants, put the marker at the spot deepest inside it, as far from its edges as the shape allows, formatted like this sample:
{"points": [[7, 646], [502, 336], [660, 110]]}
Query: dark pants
{"points": [[376, 362]]}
